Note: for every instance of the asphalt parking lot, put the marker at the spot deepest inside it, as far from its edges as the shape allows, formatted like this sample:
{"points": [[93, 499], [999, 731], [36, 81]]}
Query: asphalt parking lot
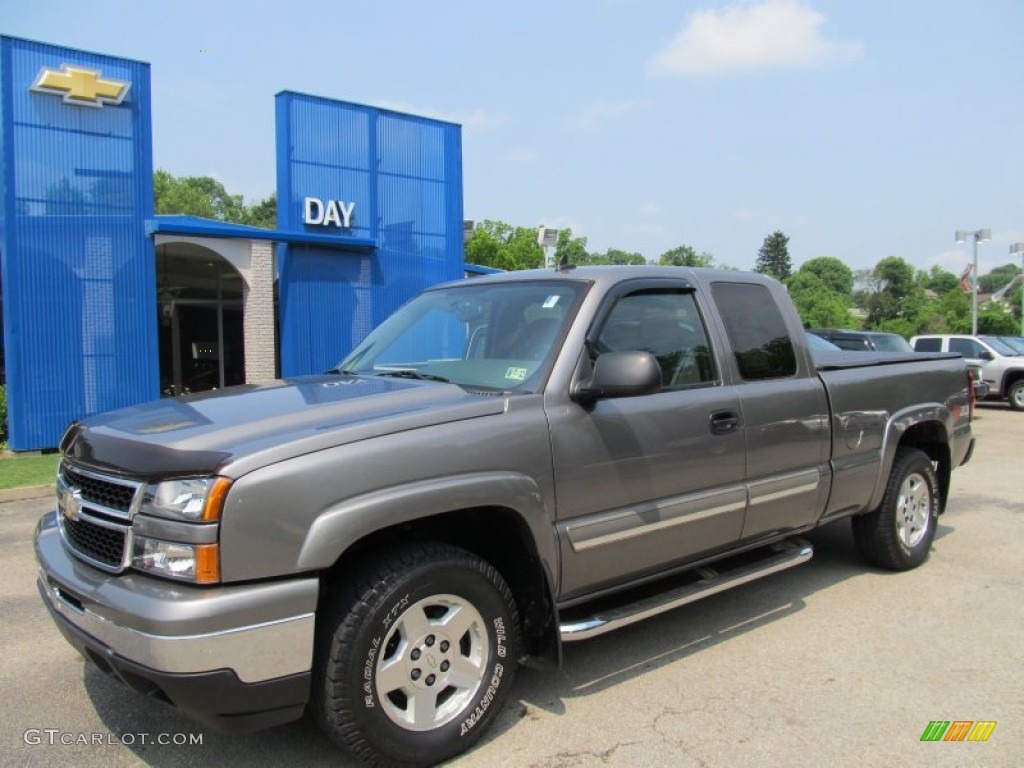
{"points": [[828, 664]]}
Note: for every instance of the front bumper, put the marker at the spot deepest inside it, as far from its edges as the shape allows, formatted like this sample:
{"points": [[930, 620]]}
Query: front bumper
{"points": [[232, 657]]}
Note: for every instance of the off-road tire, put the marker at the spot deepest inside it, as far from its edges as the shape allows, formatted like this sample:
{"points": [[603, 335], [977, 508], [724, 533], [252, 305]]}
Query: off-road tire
{"points": [[416, 651], [898, 534]]}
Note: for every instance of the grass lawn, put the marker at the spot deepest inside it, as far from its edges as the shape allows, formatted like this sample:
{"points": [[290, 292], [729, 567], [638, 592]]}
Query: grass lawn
{"points": [[18, 471]]}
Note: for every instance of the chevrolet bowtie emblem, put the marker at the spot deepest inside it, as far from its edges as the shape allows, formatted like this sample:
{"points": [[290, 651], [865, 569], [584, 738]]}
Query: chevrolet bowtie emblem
{"points": [[78, 85]]}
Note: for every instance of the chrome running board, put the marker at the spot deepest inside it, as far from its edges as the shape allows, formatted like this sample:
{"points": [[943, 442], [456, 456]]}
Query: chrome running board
{"points": [[785, 554]]}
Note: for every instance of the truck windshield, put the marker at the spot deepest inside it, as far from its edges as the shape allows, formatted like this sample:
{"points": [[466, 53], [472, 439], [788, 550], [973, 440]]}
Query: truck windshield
{"points": [[1000, 346], [489, 336]]}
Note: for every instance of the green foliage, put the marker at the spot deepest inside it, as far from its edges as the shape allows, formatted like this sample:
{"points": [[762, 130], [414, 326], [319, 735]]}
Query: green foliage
{"points": [[938, 280], [262, 214], [206, 197], [896, 294], [997, 278], [572, 249], [950, 314], [773, 256], [685, 256], [836, 276], [995, 319], [615, 256], [818, 305], [903, 326], [502, 246]]}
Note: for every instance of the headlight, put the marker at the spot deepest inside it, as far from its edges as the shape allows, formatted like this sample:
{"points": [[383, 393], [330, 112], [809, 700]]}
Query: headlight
{"points": [[194, 499], [196, 563]]}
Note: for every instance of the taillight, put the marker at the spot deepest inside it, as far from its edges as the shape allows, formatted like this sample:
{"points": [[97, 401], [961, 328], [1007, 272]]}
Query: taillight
{"points": [[970, 393]]}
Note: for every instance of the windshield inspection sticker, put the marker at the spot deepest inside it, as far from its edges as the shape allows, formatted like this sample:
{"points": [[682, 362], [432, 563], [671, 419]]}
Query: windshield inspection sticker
{"points": [[550, 301], [516, 374]]}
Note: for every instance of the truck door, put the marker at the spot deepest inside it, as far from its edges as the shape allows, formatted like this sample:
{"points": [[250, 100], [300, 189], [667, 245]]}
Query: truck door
{"points": [[785, 412], [644, 482]]}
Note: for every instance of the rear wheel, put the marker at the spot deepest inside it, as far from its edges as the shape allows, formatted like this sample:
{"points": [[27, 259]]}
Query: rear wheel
{"points": [[415, 655], [899, 533]]}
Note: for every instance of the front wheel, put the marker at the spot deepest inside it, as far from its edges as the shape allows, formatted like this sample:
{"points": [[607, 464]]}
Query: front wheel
{"points": [[1016, 395], [899, 533], [415, 655]]}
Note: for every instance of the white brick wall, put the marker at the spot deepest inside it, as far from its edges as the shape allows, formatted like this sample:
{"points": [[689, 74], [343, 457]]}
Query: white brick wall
{"points": [[259, 313]]}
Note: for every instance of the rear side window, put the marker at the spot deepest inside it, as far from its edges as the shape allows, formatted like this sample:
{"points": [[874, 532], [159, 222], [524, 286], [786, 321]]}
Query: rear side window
{"points": [[756, 331], [928, 345], [852, 343], [966, 347]]}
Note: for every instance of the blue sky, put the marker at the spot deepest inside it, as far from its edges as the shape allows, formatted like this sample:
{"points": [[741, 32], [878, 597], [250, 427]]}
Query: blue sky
{"points": [[861, 128]]}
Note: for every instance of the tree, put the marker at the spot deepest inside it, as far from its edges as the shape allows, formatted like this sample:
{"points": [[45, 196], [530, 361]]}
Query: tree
{"points": [[615, 256], [950, 314], [773, 257], [997, 278], [572, 249], [836, 276], [939, 280], [818, 305], [502, 246], [897, 295], [206, 197], [685, 256], [994, 318], [262, 214]]}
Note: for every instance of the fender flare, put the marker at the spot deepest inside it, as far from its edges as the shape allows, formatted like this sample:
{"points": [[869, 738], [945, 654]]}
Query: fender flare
{"points": [[898, 424], [341, 525]]}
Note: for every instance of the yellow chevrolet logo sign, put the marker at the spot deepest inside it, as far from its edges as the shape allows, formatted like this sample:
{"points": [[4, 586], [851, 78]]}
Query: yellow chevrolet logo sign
{"points": [[78, 85]]}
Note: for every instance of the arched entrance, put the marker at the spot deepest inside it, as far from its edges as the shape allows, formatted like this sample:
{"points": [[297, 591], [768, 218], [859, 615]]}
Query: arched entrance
{"points": [[200, 319]]}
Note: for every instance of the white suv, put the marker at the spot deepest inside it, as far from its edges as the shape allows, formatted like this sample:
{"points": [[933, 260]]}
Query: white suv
{"points": [[1001, 366]]}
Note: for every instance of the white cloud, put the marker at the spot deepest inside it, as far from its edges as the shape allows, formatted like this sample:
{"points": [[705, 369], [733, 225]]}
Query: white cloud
{"points": [[601, 112], [650, 208], [774, 34]]}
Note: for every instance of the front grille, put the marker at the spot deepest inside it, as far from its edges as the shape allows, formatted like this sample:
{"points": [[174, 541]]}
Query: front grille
{"points": [[104, 545], [95, 515], [107, 493]]}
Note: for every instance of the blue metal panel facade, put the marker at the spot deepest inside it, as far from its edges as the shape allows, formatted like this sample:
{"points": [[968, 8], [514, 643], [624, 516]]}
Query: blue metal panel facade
{"points": [[403, 176], [79, 289]]}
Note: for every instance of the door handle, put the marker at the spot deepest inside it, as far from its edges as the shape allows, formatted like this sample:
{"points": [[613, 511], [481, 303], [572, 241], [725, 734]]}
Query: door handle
{"points": [[724, 422]]}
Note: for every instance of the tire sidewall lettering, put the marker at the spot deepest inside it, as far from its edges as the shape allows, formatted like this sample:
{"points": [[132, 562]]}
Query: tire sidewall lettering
{"points": [[368, 688]]}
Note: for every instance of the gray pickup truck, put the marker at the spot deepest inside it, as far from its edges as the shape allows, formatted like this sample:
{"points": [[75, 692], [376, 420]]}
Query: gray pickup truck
{"points": [[506, 464]]}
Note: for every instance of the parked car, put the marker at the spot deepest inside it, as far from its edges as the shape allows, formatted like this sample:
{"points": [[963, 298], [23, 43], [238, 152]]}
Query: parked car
{"points": [[383, 544], [863, 341], [818, 344], [1002, 368], [1016, 343]]}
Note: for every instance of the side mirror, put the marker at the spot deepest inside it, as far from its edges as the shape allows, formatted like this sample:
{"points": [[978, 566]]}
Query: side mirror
{"points": [[986, 355], [621, 374]]}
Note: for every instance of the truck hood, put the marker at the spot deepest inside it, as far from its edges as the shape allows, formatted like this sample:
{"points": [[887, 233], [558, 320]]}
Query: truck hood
{"points": [[238, 429]]}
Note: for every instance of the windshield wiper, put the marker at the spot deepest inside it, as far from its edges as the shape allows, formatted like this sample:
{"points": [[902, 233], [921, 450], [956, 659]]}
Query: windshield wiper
{"points": [[341, 371], [409, 373]]}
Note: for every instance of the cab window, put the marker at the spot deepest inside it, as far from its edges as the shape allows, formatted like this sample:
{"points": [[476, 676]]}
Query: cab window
{"points": [[668, 325]]}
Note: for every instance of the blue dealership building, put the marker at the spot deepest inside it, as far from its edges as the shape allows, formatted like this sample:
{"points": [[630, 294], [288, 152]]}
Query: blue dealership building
{"points": [[106, 305]]}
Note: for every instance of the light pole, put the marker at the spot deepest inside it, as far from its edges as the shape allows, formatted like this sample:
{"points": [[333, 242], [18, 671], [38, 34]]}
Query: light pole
{"points": [[1019, 248], [546, 238], [978, 236]]}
